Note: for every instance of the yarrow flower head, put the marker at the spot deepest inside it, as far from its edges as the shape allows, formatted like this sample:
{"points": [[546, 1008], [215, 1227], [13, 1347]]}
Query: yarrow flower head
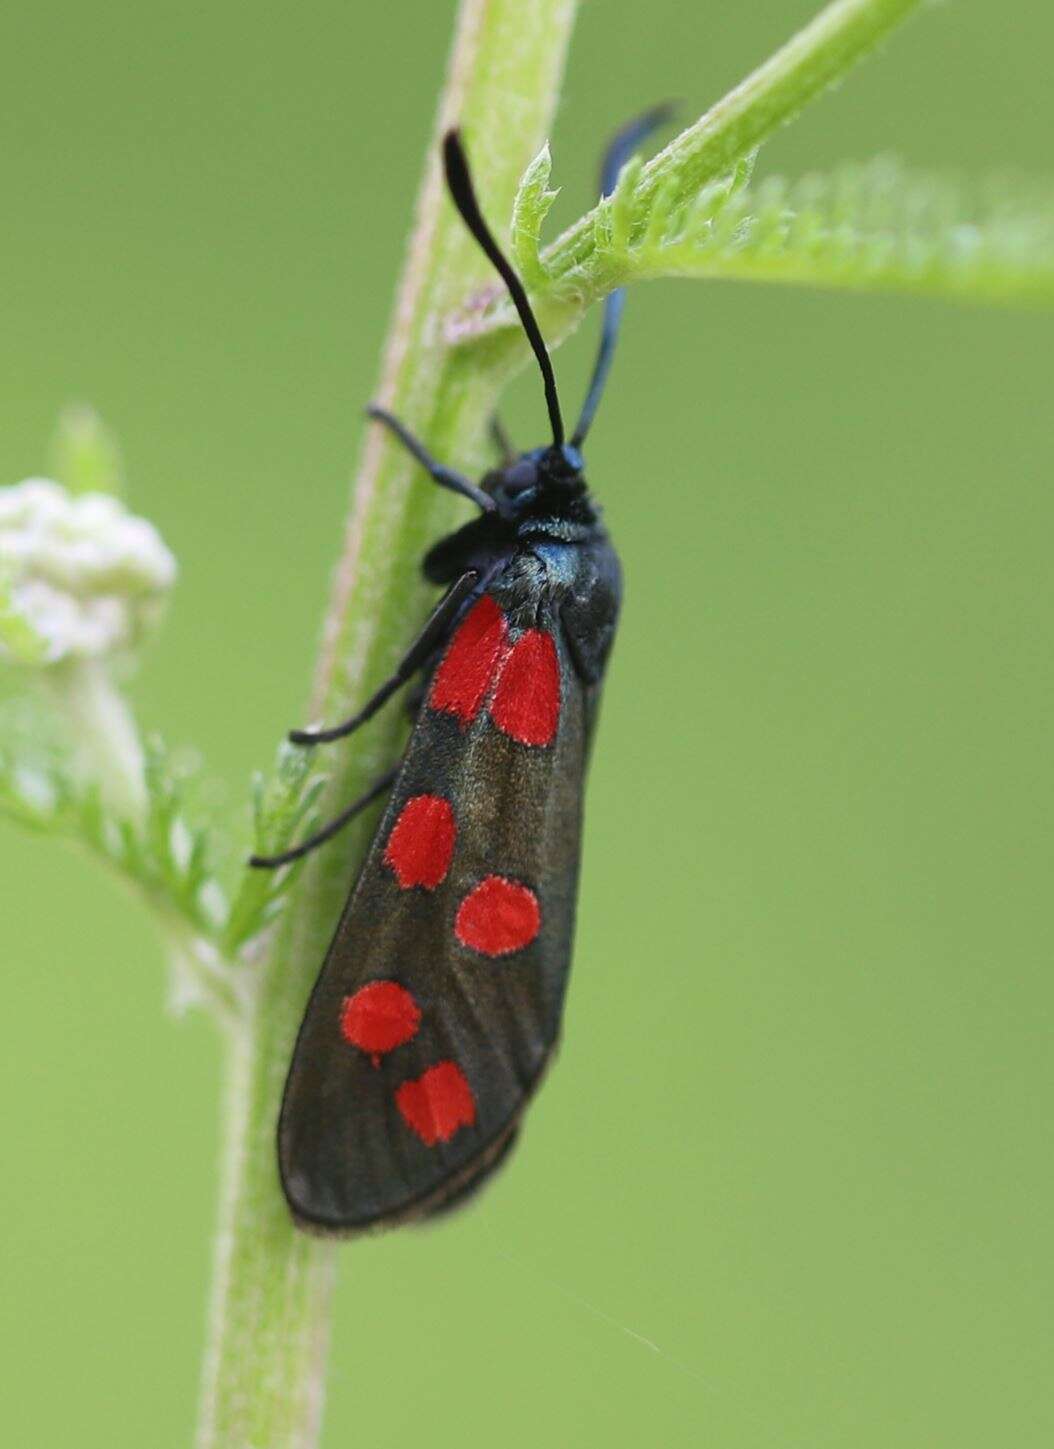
{"points": [[80, 576]]}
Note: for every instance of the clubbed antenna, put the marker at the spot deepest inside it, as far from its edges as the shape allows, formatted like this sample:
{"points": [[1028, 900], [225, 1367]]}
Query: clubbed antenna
{"points": [[459, 182], [622, 147]]}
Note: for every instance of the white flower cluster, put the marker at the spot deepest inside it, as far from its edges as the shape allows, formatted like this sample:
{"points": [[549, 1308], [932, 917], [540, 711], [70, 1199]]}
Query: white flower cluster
{"points": [[80, 576]]}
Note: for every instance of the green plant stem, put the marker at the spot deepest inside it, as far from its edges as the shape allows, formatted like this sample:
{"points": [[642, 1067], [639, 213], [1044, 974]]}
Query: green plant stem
{"points": [[581, 272], [264, 1374], [811, 61], [105, 735]]}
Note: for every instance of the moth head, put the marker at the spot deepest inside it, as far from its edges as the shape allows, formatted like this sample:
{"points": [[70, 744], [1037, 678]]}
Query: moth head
{"points": [[546, 481]]}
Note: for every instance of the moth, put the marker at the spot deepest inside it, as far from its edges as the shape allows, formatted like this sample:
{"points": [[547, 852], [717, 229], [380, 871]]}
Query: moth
{"points": [[439, 1002]]}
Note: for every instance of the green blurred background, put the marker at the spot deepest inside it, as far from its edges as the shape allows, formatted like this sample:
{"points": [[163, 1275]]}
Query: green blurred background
{"points": [[790, 1184]]}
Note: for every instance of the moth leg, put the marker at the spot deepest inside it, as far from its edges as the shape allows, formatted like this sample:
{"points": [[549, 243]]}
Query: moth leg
{"points": [[418, 654], [502, 442], [415, 697], [271, 862], [445, 477]]}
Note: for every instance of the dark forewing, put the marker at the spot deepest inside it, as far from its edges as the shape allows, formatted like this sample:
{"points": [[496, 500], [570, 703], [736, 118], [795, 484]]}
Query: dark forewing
{"points": [[440, 997]]}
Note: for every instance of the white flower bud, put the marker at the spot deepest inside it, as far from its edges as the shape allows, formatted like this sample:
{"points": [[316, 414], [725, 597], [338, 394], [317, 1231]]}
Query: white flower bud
{"points": [[80, 576]]}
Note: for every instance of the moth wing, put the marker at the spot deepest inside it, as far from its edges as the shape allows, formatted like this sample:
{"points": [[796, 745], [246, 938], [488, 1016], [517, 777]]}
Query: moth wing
{"points": [[440, 997]]}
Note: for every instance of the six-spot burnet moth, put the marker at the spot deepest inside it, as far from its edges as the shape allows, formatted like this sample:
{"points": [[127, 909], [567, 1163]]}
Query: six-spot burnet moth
{"points": [[439, 1001]]}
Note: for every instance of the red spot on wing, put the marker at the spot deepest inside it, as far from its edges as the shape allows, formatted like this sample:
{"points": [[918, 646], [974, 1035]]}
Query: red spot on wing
{"points": [[467, 669], [421, 844], [527, 700], [498, 916], [379, 1017], [437, 1103]]}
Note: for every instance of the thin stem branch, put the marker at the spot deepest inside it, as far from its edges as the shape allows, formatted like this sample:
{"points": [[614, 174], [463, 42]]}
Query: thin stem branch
{"points": [[579, 269], [106, 737], [812, 61]]}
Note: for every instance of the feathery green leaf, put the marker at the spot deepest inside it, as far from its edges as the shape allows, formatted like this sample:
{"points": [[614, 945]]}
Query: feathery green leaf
{"points": [[531, 207], [283, 809], [865, 228]]}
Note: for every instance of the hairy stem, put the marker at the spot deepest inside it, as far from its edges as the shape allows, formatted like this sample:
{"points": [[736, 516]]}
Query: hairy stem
{"points": [[265, 1368], [580, 269], [810, 62]]}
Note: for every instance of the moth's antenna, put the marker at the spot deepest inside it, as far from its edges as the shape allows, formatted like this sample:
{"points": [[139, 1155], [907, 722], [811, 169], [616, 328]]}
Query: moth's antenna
{"points": [[459, 182], [617, 154]]}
